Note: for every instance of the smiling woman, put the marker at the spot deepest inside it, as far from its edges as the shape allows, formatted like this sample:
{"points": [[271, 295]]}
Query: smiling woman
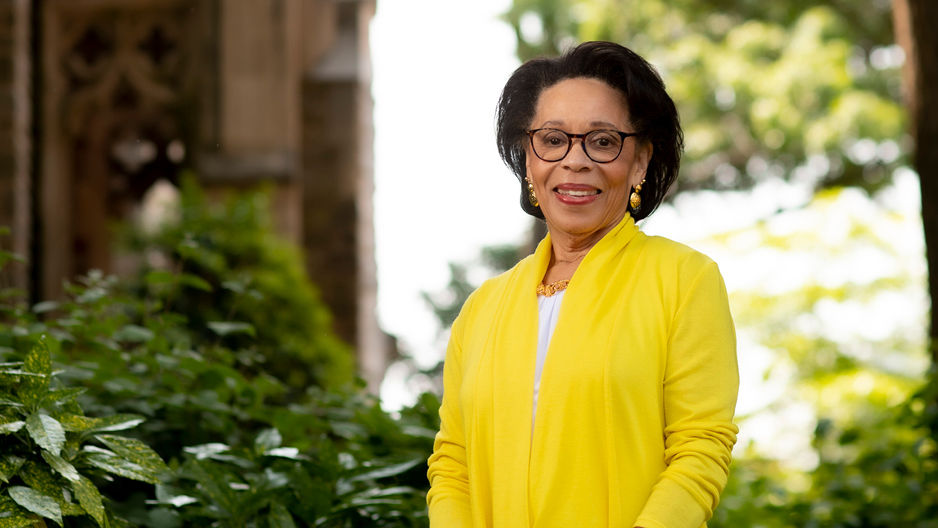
{"points": [[593, 384]]}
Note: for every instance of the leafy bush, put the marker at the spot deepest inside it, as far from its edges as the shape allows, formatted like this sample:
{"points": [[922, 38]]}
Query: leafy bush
{"points": [[235, 281], [246, 393], [52, 452]]}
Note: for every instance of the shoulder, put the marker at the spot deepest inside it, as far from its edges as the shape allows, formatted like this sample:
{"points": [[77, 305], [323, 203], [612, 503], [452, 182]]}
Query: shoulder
{"points": [[488, 295]]}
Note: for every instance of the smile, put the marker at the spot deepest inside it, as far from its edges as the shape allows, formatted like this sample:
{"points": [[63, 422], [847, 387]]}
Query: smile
{"points": [[578, 192]]}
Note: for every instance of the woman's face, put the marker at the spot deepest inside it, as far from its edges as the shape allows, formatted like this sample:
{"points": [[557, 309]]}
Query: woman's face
{"points": [[578, 196]]}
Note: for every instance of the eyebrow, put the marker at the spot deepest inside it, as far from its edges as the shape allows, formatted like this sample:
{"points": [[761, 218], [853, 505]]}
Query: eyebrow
{"points": [[592, 124]]}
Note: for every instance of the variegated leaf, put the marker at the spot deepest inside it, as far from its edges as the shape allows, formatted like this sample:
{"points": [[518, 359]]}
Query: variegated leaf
{"points": [[36, 502], [89, 498], [61, 465], [135, 451], [46, 431]]}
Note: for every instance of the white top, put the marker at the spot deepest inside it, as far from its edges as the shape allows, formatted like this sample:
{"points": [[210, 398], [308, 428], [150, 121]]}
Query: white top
{"points": [[548, 308]]}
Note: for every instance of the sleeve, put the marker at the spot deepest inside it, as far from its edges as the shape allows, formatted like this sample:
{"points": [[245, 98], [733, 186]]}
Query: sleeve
{"points": [[700, 387], [448, 498]]}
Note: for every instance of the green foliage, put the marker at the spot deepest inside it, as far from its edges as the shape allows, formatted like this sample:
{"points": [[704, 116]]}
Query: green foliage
{"points": [[223, 361], [792, 89], [236, 282], [51, 451]]}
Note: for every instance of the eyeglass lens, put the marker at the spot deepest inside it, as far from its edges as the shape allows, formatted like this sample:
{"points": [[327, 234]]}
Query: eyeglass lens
{"points": [[600, 145]]}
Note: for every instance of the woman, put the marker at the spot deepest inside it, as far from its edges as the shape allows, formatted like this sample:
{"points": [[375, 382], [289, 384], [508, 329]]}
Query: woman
{"points": [[593, 384]]}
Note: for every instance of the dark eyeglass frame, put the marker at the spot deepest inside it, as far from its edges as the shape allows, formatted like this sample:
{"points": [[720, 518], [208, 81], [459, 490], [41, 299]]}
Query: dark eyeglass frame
{"points": [[582, 138]]}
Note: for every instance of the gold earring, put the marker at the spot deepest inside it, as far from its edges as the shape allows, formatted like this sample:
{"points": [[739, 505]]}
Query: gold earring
{"points": [[531, 196], [635, 199]]}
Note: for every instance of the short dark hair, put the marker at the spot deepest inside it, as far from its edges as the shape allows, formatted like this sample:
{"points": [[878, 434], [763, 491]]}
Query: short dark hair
{"points": [[650, 107]]}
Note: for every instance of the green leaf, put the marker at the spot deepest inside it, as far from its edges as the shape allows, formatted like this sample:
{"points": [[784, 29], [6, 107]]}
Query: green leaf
{"points": [[11, 427], [46, 431], [389, 471], [134, 451], [61, 465], [18, 520], [76, 423], [90, 499], [118, 422], [279, 516], [267, 439], [110, 462], [37, 361], [214, 483], [195, 282], [226, 328], [9, 466], [40, 478], [45, 306], [134, 334], [206, 450], [13, 516], [36, 502], [61, 396], [159, 277]]}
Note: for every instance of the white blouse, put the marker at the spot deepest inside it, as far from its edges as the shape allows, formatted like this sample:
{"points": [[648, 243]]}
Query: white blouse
{"points": [[548, 308]]}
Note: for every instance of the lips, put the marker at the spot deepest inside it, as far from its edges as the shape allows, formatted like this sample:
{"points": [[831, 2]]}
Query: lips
{"points": [[572, 192], [576, 193]]}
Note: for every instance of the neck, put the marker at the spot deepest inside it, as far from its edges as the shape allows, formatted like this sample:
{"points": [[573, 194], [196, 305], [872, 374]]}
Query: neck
{"points": [[568, 250]]}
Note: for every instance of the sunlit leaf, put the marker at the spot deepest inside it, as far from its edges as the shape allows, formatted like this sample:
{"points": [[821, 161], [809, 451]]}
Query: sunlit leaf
{"points": [[226, 328], [134, 451], [133, 334], [112, 463], [117, 422], [61, 465], [46, 431], [36, 502], [11, 427], [390, 471], [206, 450], [267, 439]]}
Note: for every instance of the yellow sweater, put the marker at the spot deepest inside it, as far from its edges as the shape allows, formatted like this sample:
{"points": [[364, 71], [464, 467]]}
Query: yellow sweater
{"points": [[634, 416]]}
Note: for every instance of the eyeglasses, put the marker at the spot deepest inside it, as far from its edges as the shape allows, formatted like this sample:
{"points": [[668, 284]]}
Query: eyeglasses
{"points": [[601, 146]]}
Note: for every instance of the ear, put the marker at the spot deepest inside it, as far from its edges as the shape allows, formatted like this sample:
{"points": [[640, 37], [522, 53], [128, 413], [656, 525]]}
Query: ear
{"points": [[643, 152]]}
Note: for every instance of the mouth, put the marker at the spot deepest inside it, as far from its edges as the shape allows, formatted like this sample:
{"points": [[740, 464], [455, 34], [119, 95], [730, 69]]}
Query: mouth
{"points": [[576, 194]]}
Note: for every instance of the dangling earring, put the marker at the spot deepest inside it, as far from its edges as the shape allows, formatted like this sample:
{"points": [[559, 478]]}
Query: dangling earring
{"points": [[635, 199], [531, 196]]}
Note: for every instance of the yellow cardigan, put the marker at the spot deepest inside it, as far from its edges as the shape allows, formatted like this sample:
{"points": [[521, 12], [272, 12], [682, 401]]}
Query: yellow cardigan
{"points": [[634, 423]]}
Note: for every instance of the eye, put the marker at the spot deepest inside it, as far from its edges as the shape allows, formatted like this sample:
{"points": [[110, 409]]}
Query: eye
{"points": [[550, 138], [602, 139]]}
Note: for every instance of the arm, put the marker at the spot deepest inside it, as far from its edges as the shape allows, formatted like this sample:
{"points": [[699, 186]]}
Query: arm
{"points": [[448, 498], [700, 386]]}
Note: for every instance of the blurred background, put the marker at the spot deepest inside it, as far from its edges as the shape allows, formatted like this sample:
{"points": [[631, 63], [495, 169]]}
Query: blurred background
{"points": [[237, 231]]}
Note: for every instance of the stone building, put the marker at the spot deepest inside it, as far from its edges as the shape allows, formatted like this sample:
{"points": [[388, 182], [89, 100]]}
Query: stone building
{"points": [[102, 99]]}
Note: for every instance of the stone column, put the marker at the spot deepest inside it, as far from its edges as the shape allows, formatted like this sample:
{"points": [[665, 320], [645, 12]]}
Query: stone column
{"points": [[338, 179], [15, 144]]}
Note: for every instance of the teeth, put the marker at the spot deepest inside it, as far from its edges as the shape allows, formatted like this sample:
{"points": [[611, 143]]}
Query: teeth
{"points": [[570, 192]]}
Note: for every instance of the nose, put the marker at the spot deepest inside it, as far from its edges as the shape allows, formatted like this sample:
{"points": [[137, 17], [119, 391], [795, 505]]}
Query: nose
{"points": [[576, 159]]}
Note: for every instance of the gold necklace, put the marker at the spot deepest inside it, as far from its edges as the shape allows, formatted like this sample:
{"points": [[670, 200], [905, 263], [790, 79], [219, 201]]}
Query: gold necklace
{"points": [[550, 289]]}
